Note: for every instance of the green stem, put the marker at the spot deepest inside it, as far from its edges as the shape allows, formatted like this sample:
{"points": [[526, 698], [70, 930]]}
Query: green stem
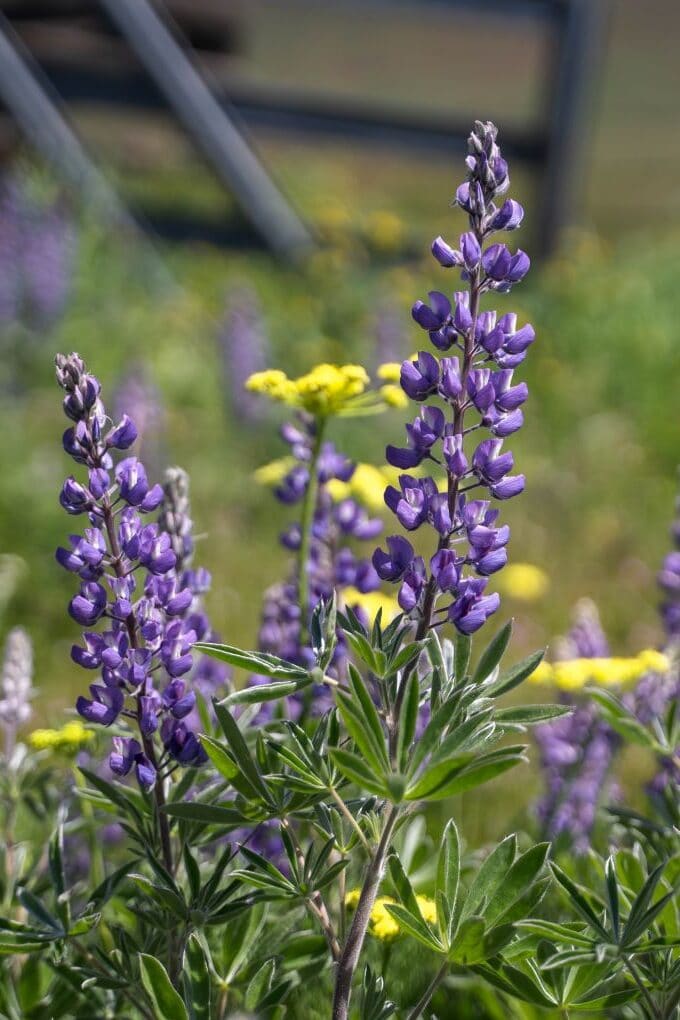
{"points": [[635, 974], [306, 525], [423, 1001]]}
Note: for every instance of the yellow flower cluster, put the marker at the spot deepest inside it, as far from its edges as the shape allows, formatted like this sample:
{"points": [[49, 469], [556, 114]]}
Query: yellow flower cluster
{"points": [[574, 674], [390, 371], [393, 395], [68, 738], [371, 602], [523, 582], [367, 485], [274, 472], [382, 924], [326, 389]]}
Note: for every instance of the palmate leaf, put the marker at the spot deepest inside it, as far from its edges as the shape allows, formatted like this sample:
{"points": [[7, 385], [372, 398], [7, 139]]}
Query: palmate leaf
{"points": [[480, 770], [448, 878], [579, 901], [490, 876], [355, 769], [467, 947], [519, 878]]}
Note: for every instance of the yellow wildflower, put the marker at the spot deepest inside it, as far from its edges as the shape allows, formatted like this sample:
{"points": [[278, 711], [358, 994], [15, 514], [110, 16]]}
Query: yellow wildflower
{"points": [[382, 925], [615, 671], [324, 390], [523, 582], [274, 472], [393, 395], [371, 602], [390, 371], [385, 231], [69, 738], [367, 486]]}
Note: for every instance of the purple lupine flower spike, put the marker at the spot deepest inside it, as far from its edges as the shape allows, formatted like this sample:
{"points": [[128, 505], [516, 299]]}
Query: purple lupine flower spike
{"points": [[15, 685], [576, 750], [244, 349], [332, 564], [153, 614], [475, 378]]}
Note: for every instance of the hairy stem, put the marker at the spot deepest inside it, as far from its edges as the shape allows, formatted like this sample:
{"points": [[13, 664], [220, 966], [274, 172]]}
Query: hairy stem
{"points": [[357, 933]]}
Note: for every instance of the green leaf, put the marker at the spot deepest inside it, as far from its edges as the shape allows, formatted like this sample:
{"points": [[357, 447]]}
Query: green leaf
{"points": [[569, 934], [578, 900], [620, 719], [114, 793], [531, 715], [432, 734], [266, 692], [260, 985], [490, 876], [479, 771], [435, 776], [463, 649], [164, 897], [38, 909], [255, 662], [361, 647], [448, 878], [361, 733], [612, 894], [403, 885], [518, 879], [415, 926], [239, 938], [211, 814], [408, 719], [197, 975], [514, 676], [365, 703], [468, 945], [239, 749], [492, 654], [166, 1002], [355, 769]]}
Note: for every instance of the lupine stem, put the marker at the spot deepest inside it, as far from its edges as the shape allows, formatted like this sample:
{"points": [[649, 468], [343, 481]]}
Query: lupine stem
{"points": [[306, 526], [357, 933]]}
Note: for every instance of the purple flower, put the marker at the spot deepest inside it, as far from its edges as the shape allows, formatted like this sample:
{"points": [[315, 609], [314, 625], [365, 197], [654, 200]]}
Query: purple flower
{"points": [[391, 565], [420, 378], [104, 707], [149, 632], [477, 382]]}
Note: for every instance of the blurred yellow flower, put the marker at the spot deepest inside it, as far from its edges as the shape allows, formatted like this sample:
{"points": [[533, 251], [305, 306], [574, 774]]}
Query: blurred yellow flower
{"points": [[69, 738], [393, 395], [390, 371], [385, 231], [382, 924], [367, 485], [371, 602], [273, 472], [574, 674], [523, 582], [326, 389]]}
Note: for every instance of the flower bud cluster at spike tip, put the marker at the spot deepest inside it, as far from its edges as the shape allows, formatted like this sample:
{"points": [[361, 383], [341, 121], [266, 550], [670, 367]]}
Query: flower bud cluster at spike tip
{"points": [[474, 378], [332, 565], [135, 576]]}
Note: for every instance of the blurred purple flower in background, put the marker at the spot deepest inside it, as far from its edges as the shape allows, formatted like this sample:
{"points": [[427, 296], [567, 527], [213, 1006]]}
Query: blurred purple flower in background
{"points": [[137, 396], [15, 685], [37, 256], [244, 349], [576, 750]]}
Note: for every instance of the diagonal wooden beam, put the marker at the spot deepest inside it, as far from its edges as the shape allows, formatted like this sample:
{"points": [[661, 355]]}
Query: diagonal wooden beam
{"points": [[211, 124]]}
